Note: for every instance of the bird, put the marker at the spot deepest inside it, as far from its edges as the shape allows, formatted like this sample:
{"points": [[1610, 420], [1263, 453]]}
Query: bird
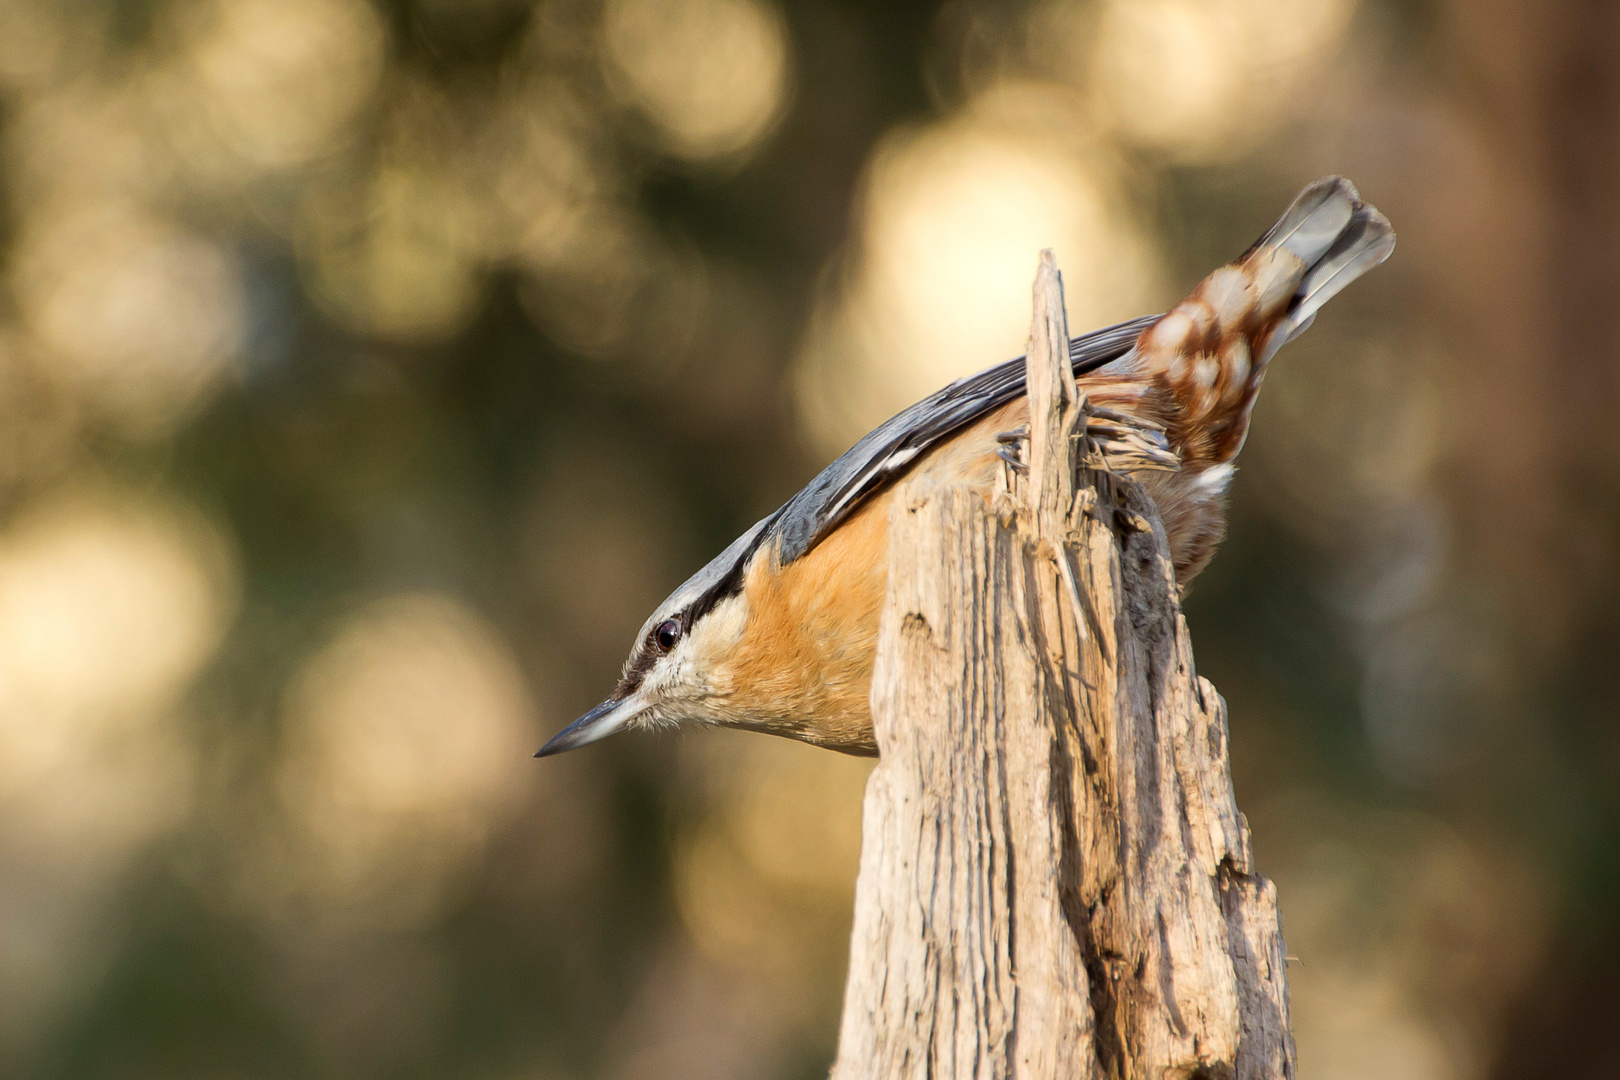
{"points": [[778, 632]]}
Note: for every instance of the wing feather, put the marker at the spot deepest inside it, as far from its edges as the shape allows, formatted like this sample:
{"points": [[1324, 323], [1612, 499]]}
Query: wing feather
{"points": [[890, 448], [881, 456]]}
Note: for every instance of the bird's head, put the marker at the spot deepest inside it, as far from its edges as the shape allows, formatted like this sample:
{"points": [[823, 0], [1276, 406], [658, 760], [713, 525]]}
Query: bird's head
{"points": [[677, 671]]}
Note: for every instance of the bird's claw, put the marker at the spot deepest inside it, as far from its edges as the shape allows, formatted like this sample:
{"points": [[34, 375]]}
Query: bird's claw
{"points": [[1010, 448], [1009, 454], [1017, 435]]}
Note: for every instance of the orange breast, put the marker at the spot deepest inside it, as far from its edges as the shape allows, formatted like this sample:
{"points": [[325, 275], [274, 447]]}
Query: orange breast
{"points": [[804, 665]]}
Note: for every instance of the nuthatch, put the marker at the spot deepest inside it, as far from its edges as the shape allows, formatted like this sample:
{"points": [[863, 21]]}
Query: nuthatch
{"points": [[777, 633]]}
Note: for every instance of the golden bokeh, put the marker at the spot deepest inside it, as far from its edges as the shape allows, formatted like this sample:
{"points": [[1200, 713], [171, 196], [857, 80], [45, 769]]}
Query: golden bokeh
{"points": [[32, 43], [277, 81], [712, 75], [109, 606], [952, 218], [1398, 982], [370, 368], [542, 176], [406, 735], [400, 264], [136, 317], [778, 852], [1204, 80]]}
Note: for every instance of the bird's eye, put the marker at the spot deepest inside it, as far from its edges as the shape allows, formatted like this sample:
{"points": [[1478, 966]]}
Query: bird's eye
{"points": [[667, 634]]}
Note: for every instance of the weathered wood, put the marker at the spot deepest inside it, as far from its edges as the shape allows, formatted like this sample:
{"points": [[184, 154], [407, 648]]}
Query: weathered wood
{"points": [[1055, 879]]}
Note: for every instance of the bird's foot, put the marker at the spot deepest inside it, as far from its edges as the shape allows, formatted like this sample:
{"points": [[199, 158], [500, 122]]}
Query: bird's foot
{"points": [[1010, 448], [1121, 443]]}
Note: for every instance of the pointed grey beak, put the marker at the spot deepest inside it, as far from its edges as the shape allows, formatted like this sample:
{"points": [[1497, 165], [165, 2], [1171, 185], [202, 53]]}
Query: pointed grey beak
{"points": [[599, 723]]}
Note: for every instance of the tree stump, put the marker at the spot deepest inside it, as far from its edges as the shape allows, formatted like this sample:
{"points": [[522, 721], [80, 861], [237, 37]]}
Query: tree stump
{"points": [[1055, 879]]}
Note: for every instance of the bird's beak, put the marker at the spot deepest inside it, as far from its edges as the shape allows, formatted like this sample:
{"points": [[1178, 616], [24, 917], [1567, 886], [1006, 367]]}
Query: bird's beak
{"points": [[599, 723]]}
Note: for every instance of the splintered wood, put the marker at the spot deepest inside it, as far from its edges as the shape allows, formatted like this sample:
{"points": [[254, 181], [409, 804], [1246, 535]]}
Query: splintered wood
{"points": [[1055, 879]]}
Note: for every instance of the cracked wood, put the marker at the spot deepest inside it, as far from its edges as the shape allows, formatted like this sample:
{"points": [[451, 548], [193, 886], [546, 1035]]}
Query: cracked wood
{"points": [[1055, 879]]}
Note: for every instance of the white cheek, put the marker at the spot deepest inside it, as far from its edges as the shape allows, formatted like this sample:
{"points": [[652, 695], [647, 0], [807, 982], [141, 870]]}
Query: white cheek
{"points": [[662, 687], [665, 675], [720, 630], [692, 670]]}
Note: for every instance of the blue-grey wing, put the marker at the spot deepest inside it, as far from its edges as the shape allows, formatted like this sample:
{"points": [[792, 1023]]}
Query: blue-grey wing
{"points": [[881, 456], [890, 448]]}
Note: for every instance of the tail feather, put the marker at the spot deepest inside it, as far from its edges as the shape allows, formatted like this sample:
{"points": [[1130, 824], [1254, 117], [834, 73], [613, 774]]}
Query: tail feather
{"points": [[1209, 353], [1314, 220], [1337, 237], [1195, 372]]}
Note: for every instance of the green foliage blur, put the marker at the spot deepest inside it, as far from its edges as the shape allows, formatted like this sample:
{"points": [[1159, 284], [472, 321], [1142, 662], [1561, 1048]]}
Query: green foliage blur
{"points": [[370, 368]]}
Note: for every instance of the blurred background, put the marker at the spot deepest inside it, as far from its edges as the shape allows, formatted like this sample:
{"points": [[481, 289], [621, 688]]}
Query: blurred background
{"points": [[369, 368]]}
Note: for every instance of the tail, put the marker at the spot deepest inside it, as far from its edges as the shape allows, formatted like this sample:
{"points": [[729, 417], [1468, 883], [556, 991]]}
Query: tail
{"points": [[1322, 243], [1335, 237], [1210, 351]]}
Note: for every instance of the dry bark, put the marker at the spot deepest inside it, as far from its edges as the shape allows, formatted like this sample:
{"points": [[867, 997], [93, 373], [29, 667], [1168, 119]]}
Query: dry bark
{"points": [[1055, 879]]}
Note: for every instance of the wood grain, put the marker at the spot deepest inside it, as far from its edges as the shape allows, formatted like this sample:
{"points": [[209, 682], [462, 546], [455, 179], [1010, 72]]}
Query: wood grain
{"points": [[1055, 879]]}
